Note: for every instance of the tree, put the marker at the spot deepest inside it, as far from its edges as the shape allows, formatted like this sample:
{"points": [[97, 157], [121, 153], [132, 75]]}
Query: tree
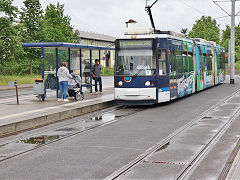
{"points": [[184, 31], [57, 27], [11, 50], [226, 36], [206, 28], [31, 20]]}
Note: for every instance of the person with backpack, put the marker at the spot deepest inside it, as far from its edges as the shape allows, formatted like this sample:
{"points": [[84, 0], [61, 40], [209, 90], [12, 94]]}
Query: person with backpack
{"points": [[96, 74]]}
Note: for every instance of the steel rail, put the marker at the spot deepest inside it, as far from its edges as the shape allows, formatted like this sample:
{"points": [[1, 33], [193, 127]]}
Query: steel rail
{"points": [[114, 108], [207, 147], [165, 141]]}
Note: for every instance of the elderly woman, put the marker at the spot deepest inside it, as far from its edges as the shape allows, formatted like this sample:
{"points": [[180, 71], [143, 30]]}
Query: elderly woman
{"points": [[63, 76]]}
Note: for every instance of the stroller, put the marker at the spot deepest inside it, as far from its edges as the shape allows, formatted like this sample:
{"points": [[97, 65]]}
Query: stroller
{"points": [[75, 87]]}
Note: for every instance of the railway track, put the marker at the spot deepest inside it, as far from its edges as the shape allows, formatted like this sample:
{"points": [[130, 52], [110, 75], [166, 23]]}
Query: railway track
{"points": [[160, 145], [87, 119]]}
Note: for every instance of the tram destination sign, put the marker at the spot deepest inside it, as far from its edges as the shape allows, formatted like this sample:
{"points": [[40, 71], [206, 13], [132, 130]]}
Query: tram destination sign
{"points": [[135, 43]]}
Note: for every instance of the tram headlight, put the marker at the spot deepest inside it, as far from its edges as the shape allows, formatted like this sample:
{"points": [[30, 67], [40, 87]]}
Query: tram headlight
{"points": [[147, 83], [120, 83]]}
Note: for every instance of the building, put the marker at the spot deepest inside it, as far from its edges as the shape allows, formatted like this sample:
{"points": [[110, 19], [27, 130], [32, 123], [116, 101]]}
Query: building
{"points": [[97, 39]]}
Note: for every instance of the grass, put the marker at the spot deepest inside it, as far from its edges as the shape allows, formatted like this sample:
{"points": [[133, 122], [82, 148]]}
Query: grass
{"points": [[20, 79], [107, 71], [30, 79], [237, 68]]}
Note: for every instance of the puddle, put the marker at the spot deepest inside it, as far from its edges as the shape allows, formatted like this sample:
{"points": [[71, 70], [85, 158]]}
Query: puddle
{"points": [[40, 140], [163, 147], [66, 129], [104, 117]]}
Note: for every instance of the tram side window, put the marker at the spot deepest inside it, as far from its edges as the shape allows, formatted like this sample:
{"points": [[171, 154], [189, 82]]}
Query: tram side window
{"points": [[162, 61], [190, 58], [222, 60], [172, 61], [218, 61], [209, 64], [185, 61], [204, 62], [179, 62]]}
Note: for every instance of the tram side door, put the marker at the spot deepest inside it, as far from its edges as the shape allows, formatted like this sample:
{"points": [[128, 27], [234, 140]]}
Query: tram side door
{"points": [[172, 72], [162, 77]]}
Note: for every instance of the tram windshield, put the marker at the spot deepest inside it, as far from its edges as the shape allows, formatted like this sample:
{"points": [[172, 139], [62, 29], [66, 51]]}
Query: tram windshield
{"points": [[137, 61]]}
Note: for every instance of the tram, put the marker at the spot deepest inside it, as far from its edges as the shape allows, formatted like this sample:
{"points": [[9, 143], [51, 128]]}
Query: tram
{"points": [[158, 67]]}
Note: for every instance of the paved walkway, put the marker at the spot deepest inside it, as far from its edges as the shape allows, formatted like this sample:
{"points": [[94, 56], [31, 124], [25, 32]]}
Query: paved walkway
{"points": [[31, 112]]}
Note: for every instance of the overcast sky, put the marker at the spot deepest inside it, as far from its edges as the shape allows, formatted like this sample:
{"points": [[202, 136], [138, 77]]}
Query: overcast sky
{"points": [[109, 16]]}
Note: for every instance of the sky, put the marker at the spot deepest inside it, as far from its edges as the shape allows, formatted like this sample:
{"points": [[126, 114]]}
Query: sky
{"points": [[109, 16]]}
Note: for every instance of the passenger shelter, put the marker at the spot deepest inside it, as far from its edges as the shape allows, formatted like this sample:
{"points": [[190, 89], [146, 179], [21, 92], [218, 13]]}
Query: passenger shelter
{"points": [[80, 59]]}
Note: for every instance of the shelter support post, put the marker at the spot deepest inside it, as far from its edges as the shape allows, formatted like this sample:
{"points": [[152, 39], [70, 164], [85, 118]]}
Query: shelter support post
{"points": [[57, 84], [42, 61], [69, 59], [90, 70]]}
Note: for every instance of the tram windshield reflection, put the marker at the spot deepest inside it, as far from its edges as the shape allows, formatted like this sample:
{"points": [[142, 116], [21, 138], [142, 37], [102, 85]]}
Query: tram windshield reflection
{"points": [[135, 62]]}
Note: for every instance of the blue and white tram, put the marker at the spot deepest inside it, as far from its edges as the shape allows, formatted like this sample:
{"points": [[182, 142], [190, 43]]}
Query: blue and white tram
{"points": [[156, 68]]}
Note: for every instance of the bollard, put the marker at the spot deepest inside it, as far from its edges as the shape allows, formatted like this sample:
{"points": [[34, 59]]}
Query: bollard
{"points": [[15, 84]]}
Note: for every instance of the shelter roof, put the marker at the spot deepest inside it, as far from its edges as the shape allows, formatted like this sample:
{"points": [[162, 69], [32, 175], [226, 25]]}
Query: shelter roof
{"points": [[65, 45]]}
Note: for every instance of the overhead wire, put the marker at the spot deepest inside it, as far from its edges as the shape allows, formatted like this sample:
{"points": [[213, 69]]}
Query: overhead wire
{"points": [[182, 1], [224, 9]]}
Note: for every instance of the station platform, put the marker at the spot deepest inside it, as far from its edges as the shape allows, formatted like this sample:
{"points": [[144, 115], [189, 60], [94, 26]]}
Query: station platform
{"points": [[31, 112]]}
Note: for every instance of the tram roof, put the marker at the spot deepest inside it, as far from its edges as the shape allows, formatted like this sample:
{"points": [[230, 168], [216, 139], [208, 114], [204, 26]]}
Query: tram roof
{"points": [[153, 36], [167, 36], [65, 45]]}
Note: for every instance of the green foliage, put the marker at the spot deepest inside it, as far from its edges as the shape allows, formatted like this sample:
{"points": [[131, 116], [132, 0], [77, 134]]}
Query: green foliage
{"points": [[21, 67], [9, 35], [34, 26], [206, 28], [9, 10], [31, 20], [107, 71], [57, 27], [4, 79], [226, 36]]}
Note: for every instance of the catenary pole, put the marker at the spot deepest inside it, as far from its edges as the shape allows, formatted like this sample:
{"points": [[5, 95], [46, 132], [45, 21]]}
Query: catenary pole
{"points": [[232, 69], [229, 52]]}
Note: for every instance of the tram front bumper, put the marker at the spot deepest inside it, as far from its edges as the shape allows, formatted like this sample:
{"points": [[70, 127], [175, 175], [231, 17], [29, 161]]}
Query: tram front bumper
{"points": [[135, 94]]}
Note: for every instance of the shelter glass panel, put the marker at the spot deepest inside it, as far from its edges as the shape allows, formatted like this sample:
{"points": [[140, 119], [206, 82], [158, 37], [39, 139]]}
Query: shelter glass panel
{"points": [[86, 68], [49, 60], [95, 55], [75, 61], [62, 56], [50, 68], [103, 58]]}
